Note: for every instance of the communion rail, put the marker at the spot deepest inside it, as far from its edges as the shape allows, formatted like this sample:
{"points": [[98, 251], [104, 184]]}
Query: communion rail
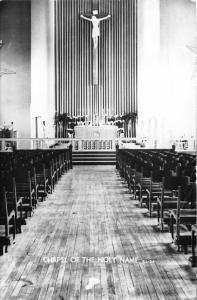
{"points": [[8, 144]]}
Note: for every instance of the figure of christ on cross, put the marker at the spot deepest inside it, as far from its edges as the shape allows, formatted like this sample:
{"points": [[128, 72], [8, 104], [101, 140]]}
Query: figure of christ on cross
{"points": [[95, 25]]}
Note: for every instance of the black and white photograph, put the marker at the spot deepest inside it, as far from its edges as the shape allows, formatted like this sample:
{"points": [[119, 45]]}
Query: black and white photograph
{"points": [[98, 149]]}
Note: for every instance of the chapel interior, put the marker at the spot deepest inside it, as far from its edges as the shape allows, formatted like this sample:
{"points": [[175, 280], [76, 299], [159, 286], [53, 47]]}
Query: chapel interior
{"points": [[98, 149]]}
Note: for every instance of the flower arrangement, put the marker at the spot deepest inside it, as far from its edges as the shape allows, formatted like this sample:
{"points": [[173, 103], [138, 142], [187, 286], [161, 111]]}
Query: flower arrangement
{"points": [[65, 118], [6, 130], [126, 117]]}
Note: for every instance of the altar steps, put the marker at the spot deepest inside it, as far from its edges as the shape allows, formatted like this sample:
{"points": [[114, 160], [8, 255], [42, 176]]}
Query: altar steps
{"points": [[94, 158]]}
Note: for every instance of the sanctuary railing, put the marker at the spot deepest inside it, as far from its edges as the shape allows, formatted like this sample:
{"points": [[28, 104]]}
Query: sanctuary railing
{"points": [[8, 144]]}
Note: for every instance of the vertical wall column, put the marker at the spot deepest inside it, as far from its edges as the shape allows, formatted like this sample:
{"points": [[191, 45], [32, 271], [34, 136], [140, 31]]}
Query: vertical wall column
{"points": [[178, 67], [42, 68], [148, 63], [166, 69]]}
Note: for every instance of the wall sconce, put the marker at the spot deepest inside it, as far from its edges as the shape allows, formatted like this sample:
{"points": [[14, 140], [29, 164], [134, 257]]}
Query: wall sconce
{"points": [[4, 71]]}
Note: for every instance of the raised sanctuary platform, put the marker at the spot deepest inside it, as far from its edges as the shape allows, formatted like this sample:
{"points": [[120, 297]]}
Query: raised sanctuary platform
{"points": [[96, 132]]}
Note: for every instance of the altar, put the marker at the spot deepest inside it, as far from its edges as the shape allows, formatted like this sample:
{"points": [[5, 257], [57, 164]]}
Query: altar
{"points": [[95, 138], [102, 132]]}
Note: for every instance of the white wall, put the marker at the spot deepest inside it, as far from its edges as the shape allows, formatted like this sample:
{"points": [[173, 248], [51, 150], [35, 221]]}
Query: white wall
{"points": [[178, 92], [15, 89], [42, 67], [27, 31], [166, 81]]}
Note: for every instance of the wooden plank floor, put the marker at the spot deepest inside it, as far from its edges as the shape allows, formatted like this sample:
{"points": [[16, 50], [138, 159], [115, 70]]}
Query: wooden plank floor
{"points": [[90, 240]]}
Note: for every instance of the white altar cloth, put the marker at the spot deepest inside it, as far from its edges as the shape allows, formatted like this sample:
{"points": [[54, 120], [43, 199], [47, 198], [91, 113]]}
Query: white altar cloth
{"points": [[103, 132]]}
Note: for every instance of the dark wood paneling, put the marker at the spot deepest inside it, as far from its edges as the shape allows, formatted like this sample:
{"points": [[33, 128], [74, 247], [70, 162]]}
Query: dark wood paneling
{"points": [[115, 93]]}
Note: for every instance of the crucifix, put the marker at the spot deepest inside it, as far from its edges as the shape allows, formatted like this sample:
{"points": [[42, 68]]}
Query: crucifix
{"points": [[95, 19]]}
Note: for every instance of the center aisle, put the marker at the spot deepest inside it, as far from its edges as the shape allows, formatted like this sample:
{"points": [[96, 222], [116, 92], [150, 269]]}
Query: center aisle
{"points": [[90, 240]]}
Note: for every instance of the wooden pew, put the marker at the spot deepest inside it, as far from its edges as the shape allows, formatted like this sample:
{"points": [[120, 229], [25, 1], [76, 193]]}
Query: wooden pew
{"points": [[42, 182], [180, 224], [25, 190], [50, 174], [142, 189], [165, 203], [13, 202], [155, 189], [130, 174], [193, 258], [7, 221], [135, 180], [16, 203]]}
